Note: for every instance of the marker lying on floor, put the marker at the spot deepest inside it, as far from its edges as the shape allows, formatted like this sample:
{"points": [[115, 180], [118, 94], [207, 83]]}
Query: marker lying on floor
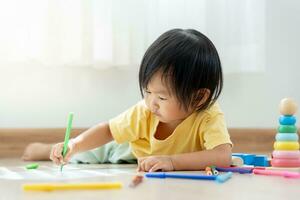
{"points": [[32, 166], [241, 170], [71, 186], [235, 169], [224, 177], [285, 174], [220, 178]]}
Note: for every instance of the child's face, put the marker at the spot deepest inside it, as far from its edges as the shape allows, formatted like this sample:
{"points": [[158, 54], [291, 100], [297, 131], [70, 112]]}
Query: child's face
{"points": [[163, 104]]}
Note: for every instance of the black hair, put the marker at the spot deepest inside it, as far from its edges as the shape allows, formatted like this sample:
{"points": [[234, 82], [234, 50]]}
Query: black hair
{"points": [[189, 62]]}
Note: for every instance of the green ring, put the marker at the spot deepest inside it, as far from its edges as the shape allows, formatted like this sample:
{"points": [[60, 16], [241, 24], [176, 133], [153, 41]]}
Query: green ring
{"points": [[287, 129]]}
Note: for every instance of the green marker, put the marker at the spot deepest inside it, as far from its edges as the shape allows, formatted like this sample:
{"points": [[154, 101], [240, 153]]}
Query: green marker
{"points": [[67, 137], [32, 166]]}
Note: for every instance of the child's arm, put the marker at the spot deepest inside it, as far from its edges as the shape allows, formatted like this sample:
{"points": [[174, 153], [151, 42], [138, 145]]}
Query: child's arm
{"points": [[90, 139], [219, 156], [94, 137]]}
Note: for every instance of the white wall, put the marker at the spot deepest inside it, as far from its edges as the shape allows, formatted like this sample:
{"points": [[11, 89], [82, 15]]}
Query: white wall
{"points": [[38, 97], [251, 100]]}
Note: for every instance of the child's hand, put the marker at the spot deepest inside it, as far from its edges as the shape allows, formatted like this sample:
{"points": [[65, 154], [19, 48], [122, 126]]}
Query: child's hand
{"points": [[56, 153], [155, 163]]}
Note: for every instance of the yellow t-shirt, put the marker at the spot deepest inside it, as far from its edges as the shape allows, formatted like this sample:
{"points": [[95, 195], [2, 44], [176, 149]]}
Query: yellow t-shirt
{"points": [[199, 131]]}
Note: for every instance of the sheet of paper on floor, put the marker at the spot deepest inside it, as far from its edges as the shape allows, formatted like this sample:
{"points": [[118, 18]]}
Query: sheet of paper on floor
{"points": [[53, 173]]}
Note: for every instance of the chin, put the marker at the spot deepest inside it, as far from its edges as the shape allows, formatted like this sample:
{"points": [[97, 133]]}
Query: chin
{"points": [[163, 120]]}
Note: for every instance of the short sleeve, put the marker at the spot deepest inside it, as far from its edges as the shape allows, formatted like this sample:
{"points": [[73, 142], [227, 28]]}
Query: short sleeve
{"points": [[215, 131], [129, 125]]}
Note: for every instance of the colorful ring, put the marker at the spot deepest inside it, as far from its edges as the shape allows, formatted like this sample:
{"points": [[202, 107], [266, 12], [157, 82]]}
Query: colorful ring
{"points": [[208, 171], [287, 120], [287, 137], [275, 162], [286, 145], [215, 172], [286, 154], [287, 129]]}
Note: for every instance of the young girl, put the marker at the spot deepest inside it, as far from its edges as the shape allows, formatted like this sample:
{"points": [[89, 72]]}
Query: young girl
{"points": [[178, 125]]}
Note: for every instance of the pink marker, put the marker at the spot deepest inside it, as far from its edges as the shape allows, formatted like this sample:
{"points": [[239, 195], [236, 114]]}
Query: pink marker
{"points": [[285, 174]]}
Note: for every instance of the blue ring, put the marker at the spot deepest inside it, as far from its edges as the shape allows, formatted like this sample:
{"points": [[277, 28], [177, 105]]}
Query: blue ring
{"points": [[287, 120], [287, 137]]}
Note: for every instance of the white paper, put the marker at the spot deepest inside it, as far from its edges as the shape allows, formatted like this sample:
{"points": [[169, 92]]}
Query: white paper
{"points": [[54, 173]]}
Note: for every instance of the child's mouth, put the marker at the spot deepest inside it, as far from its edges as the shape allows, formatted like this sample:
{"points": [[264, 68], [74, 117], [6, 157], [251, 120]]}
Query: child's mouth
{"points": [[157, 114]]}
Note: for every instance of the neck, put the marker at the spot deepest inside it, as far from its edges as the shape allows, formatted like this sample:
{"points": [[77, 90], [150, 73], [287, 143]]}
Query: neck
{"points": [[172, 125]]}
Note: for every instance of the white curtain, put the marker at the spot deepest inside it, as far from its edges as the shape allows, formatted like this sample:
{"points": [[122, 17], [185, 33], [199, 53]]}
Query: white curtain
{"points": [[116, 33]]}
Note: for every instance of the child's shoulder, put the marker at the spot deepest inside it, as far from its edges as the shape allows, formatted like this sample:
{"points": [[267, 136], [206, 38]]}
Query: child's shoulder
{"points": [[212, 114], [215, 107], [213, 110], [140, 108]]}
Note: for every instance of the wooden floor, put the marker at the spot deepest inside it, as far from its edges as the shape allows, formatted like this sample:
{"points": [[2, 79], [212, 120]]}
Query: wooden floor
{"points": [[239, 187]]}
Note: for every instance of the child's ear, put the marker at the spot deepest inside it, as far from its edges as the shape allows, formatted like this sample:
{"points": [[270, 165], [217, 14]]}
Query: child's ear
{"points": [[202, 96]]}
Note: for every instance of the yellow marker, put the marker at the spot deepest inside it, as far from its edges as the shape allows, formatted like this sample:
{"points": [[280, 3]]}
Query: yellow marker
{"points": [[71, 186]]}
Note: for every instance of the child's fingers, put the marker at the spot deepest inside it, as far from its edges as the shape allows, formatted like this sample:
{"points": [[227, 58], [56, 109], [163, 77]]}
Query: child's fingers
{"points": [[141, 164], [70, 151], [59, 153], [155, 167], [139, 168], [58, 150], [147, 165], [56, 153], [67, 157], [54, 159], [141, 159]]}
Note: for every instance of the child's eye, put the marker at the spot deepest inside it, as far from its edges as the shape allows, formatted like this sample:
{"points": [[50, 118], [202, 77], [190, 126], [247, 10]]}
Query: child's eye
{"points": [[147, 92], [161, 98]]}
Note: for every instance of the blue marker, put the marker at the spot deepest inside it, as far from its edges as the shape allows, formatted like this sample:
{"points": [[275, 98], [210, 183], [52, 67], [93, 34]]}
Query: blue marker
{"points": [[183, 176], [224, 177], [220, 178]]}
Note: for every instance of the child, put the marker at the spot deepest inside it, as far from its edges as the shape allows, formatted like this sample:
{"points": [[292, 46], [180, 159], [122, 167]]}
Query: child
{"points": [[178, 125]]}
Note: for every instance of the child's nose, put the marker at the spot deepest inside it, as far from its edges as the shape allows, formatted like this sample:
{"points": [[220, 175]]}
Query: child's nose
{"points": [[154, 106]]}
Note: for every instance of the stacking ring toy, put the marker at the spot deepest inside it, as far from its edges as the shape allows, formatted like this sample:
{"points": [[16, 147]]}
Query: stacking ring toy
{"points": [[287, 137], [287, 120], [287, 129], [275, 162], [286, 145], [286, 154]]}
